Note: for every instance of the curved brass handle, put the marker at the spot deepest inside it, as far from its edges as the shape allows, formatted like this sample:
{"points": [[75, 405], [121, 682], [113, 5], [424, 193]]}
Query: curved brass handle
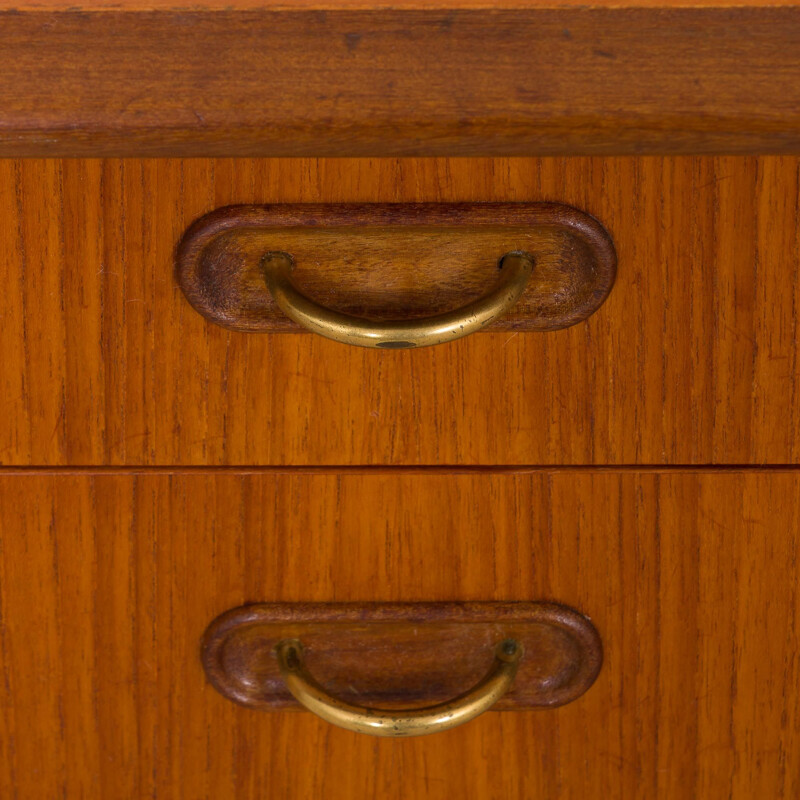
{"points": [[516, 269], [415, 722]]}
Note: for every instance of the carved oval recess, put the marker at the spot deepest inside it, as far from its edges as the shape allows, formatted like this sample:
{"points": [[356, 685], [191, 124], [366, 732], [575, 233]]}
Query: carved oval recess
{"points": [[396, 261], [403, 655]]}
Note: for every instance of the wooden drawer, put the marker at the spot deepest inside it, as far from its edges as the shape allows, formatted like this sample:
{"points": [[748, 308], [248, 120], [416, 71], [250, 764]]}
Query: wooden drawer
{"points": [[108, 579], [692, 359], [640, 467]]}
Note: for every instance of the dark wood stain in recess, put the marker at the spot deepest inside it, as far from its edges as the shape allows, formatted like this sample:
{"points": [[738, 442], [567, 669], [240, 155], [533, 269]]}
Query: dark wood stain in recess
{"points": [[396, 261], [407, 654]]}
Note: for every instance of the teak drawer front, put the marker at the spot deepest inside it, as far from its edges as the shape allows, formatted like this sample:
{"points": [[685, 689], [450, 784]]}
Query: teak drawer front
{"points": [[108, 580], [691, 360]]}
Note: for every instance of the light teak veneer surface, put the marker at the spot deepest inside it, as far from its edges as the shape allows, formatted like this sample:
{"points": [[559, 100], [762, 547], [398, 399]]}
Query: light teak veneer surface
{"points": [[107, 583], [692, 359]]}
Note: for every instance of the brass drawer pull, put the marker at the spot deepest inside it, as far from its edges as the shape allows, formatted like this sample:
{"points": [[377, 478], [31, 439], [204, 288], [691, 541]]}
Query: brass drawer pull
{"points": [[415, 657], [395, 271], [515, 271], [415, 722]]}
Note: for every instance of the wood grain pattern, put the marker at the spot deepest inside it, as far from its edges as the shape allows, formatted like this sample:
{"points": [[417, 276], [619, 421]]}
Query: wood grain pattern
{"points": [[391, 82], [396, 261], [693, 359], [333, 5], [108, 581], [402, 655]]}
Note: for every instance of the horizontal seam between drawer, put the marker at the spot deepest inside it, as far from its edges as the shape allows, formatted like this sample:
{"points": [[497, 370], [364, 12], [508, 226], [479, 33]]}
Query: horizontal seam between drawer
{"points": [[393, 469]]}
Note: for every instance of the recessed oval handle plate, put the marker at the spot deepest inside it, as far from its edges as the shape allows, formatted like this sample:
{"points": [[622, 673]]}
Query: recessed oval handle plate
{"points": [[402, 655], [391, 262]]}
